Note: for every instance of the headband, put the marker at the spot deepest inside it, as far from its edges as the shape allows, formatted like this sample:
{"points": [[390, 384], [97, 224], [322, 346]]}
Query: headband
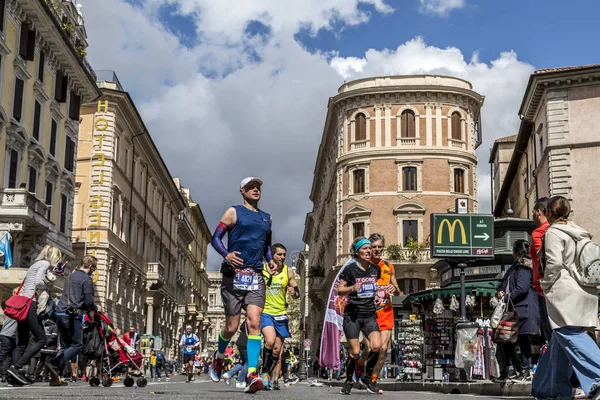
{"points": [[362, 242]]}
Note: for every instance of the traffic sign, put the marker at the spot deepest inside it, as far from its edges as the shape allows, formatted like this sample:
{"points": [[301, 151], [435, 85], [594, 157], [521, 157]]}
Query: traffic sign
{"points": [[462, 236], [307, 343]]}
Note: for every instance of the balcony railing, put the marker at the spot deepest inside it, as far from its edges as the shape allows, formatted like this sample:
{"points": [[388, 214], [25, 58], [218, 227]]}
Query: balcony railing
{"points": [[155, 275], [360, 144], [411, 256], [22, 204], [456, 144], [407, 142]]}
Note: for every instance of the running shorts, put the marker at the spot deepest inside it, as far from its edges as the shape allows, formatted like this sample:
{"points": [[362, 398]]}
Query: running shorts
{"points": [[280, 323], [385, 319], [188, 357], [354, 325], [235, 299]]}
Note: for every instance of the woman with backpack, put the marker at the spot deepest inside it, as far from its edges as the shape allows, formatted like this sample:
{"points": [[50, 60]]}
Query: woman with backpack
{"points": [[516, 290], [572, 310]]}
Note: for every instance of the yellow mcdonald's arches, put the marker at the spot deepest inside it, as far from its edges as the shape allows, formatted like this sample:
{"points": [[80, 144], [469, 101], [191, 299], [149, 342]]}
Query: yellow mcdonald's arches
{"points": [[451, 228], [95, 276]]}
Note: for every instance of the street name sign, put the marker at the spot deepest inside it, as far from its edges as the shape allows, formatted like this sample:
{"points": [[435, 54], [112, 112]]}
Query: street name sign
{"points": [[464, 236]]}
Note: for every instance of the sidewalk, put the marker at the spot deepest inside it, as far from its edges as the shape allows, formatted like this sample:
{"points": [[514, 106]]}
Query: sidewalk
{"points": [[482, 388]]}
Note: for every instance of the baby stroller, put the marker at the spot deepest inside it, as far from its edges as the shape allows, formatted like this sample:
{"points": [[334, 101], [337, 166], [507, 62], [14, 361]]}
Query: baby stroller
{"points": [[115, 356]]}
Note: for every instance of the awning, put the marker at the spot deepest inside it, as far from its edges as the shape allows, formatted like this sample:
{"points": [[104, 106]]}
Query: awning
{"points": [[479, 288]]}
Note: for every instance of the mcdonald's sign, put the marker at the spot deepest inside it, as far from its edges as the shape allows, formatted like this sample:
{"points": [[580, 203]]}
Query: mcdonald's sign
{"points": [[462, 236]]}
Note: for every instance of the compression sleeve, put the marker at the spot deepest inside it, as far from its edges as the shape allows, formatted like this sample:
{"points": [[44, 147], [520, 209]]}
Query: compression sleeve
{"points": [[217, 239], [268, 252]]}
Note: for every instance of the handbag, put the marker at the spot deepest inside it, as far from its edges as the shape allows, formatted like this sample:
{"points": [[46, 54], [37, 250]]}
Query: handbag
{"points": [[507, 330], [498, 314], [17, 306]]}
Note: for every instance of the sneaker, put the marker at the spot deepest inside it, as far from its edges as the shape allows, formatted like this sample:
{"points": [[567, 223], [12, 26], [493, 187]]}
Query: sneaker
{"points": [[18, 375], [240, 385], [216, 368], [526, 376], [347, 388], [227, 380], [266, 379], [364, 382], [357, 373], [253, 383], [276, 385], [373, 388], [579, 393], [73, 378], [167, 379]]}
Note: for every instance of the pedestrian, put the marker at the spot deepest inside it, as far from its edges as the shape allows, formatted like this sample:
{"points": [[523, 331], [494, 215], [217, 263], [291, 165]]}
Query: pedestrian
{"points": [[161, 363], [243, 286], [132, 338], [76, 300], [572, 310], [189, 342], [517, 290], [541, 222], [153, 372], [8, 343], [358, 281], [32, 324]]}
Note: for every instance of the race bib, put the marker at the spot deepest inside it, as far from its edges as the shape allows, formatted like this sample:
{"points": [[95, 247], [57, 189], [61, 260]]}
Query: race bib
{"points": [[280, 318], [368, 288], [189, 349], [245, 279]]}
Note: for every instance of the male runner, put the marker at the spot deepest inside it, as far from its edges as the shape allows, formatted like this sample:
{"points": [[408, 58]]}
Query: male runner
{"points": [[386, 285], [274, 319], [249, 233], [189, 341]]}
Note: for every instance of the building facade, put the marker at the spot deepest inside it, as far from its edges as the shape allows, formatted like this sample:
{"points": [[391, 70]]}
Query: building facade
{"points": [[556, 146], [127, 209], [43, 78], [216, 315], [394, 150]]}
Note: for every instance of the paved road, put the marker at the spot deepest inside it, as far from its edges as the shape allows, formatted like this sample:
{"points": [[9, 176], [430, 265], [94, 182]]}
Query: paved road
{"points": [[203, 389]]}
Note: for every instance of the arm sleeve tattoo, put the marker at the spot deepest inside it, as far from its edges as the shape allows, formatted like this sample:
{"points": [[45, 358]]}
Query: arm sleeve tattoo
{"points": [[217, 239]]}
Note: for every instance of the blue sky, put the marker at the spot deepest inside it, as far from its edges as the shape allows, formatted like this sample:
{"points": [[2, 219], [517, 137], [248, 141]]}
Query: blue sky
{"points": [[231, 88]]}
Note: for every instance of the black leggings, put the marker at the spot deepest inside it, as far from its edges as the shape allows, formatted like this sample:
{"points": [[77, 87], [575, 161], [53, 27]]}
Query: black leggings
{"points": [[32, 324]]}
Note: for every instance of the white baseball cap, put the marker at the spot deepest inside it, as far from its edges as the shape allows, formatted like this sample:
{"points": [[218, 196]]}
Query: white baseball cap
{"points": [[249, 179]]}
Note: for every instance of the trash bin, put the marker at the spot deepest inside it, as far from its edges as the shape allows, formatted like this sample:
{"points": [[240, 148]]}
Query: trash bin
{"points": [[466, 344]]}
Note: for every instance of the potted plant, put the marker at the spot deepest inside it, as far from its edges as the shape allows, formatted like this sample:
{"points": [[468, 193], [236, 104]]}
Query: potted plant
{"points": [[81, 51], [68, 28], [415, 248], [394, 252]]}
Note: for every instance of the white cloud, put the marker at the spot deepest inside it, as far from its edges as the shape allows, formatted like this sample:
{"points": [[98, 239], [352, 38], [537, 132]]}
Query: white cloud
{"points": [[263, 117], [441, 7]]}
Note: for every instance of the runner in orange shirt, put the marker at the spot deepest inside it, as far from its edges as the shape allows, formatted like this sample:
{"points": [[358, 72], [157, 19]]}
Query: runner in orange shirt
{"points": [[386, 286]]}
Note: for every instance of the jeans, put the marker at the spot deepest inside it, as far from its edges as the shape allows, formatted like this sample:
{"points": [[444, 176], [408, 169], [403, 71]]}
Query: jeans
{"points": [[7, 346], [159, 367], [154, 372], [506, 354], [544, 320], [240, 369], [32, 324], [571, 349], [70, 331], [525, 346]]}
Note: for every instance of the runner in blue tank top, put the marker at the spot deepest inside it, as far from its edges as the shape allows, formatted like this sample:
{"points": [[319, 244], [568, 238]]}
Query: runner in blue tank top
{"points": [[242, 286], [189, 342]]}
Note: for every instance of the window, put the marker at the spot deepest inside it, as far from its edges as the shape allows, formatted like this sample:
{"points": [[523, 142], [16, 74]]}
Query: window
{"points": [[115, 213], [69, 154], [53, 130], [74, 106], [361, 127], [60, 87], [18, 99], [407, 120], [211, 299], [143, 182], [456, 126], [359, 181], [411, 285], [124, 224], [48, 197], [32, 180], [64, 202], [27, 43], [41, 66], [459, 180], [140, 239], [116, 150], [37, 116], [409, 231], [2, 14], [13, 168], [358, 230], [409, 178]]}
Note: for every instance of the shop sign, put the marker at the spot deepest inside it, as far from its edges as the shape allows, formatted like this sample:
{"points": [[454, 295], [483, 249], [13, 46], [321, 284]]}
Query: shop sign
{"points": [[463, 236]]}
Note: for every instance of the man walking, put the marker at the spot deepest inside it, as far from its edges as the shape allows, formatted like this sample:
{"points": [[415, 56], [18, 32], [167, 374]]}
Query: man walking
{"points": [[161, 363], [274, 319], [77, 298], [248, 245]]}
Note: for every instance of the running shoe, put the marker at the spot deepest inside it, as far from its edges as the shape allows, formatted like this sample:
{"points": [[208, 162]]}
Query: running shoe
{"points": [[373, 388], [253, 383], [266, 379], [18, 375], [364, 381], [240, 385], [276, 385], [216, 368], [347, 388], [357, 373]]}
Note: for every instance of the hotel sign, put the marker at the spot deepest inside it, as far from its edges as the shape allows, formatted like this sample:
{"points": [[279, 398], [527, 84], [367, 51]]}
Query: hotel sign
{"points": [[465, 236]]}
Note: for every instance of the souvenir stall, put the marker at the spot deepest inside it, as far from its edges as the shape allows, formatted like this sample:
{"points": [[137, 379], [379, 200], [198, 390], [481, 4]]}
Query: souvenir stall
{"points": [[411, 341]]}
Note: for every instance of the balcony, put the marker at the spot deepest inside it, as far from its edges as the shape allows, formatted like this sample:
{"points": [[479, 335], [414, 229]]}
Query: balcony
{"points": [[155, 275], [407, 141], [410, 256], [21, 210], [456, 144], [184, 228], [360, 144]]}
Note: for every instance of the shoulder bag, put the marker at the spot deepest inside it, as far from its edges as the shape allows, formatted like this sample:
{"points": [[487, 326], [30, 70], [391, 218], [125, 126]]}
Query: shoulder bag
{"points": [[507, 330], [17, 306]]}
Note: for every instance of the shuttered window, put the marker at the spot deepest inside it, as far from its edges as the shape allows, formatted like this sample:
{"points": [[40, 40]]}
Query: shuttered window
{"points": [[18, 99], [37, 117], [74, 106], [358, 229], [361, 127], [13, 166], [407, 119], [60, 87], [359, 181], [27, 43], [69, 154], [459, 180], [41, 66], [409, 178], [62, 222], [456, 129], [2, 14], [53, 130], [32, 180]]}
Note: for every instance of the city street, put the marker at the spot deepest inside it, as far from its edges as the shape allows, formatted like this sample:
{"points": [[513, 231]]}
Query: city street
{"points": [[204, 389]]}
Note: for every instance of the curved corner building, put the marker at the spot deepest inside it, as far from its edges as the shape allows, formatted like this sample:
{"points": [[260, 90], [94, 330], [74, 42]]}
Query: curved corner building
{"points": [[394, 150]]}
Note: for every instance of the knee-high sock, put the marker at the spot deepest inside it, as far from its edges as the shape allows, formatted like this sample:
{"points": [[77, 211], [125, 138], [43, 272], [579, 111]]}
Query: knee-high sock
{"points": [[371, 361], [222, 344], [269, 361], [350, 367], [254, 342]]}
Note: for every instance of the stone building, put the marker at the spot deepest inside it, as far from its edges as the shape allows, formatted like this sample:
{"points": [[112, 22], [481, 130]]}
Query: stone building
{"points": [[556, 146], [43, 78], [216, 315], [394, 150], [132, 216]]}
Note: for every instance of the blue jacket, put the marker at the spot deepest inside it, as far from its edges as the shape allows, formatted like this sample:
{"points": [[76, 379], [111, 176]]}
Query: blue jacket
{"points": [[523, 297]]}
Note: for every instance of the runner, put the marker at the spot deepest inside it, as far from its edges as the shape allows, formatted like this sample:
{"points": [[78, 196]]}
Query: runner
{"points": [[288, 364], [359, 282], [386, 285], [189, 341], [274, 319], [249, 233]]}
